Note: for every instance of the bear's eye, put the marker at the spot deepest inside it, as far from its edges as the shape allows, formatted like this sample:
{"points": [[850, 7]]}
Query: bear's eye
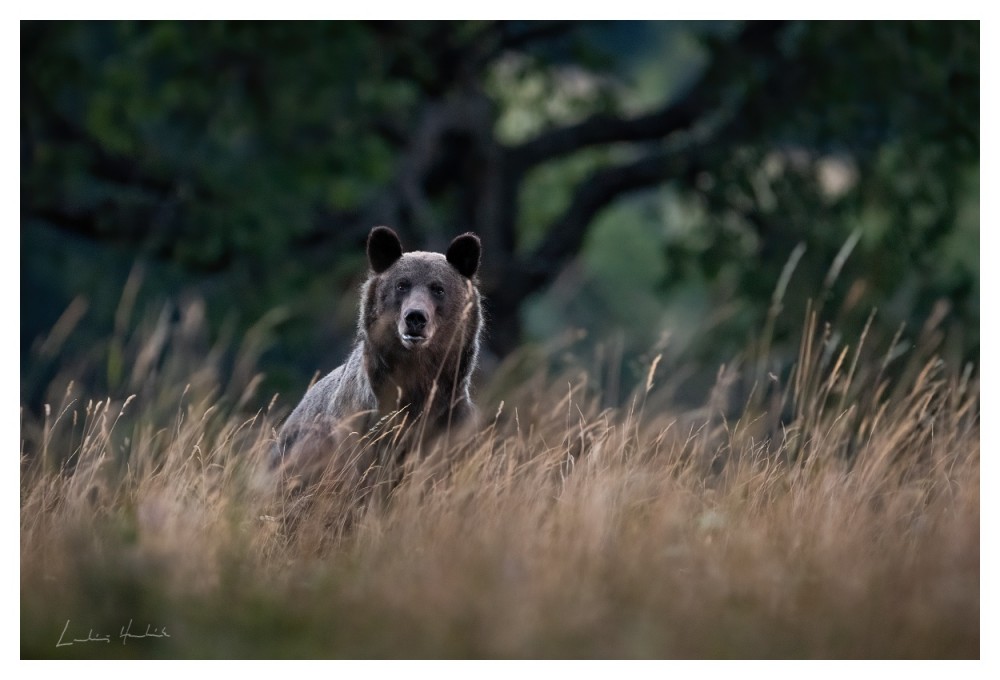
{"points": [[403, 286], [437, 289]]}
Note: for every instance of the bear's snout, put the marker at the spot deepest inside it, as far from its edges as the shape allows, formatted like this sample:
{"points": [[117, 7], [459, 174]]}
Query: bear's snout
{"points": [[415, 322]]}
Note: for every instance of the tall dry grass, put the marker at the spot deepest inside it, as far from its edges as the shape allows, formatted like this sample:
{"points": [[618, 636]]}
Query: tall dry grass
{"points": [[833, 513]]}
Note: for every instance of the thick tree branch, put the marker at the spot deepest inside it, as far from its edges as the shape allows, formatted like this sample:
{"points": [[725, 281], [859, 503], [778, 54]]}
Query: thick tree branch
{"points": [[701, 99], [565, 237], [605, 129], [523, 276]]}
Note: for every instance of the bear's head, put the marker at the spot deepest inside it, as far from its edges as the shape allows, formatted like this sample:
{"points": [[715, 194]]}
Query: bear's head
{"points": [[420, 301]]}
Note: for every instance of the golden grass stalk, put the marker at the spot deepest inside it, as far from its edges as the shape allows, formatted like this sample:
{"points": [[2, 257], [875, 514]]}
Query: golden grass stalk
{"points": [[848, 528]]}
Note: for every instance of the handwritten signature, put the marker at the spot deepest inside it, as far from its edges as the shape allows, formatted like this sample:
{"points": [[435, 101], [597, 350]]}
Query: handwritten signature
{"points": [[124, 634]]}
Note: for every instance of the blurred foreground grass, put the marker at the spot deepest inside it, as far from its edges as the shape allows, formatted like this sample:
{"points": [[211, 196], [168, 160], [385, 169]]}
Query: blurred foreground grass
{"points": [[834, 513]]}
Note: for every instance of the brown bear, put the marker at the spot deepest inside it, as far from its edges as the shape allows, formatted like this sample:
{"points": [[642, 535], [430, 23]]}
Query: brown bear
{"points": [[415, 351]]}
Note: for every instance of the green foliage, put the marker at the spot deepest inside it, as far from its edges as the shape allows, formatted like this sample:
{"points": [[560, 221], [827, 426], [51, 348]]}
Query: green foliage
{"points": [[879, 136], [244, 162], [223, 132]]}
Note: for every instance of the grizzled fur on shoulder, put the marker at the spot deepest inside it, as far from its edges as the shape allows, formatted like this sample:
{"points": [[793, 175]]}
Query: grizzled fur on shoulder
{"points": [[416, 349]]}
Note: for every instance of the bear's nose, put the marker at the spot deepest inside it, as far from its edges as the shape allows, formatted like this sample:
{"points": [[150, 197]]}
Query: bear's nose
{"points": [[415, 321]]}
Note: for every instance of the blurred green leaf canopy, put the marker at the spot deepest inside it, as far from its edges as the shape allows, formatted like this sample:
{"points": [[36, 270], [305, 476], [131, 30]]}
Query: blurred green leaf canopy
{"points": [[648, 177]]}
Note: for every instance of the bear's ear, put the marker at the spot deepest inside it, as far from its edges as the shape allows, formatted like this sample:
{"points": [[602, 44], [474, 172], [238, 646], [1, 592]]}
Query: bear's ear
{"points": [[463, 254], [384, 248]]}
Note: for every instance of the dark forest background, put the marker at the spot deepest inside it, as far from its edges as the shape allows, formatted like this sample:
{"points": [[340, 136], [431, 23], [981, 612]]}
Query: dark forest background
{"points": [[687, 188]]}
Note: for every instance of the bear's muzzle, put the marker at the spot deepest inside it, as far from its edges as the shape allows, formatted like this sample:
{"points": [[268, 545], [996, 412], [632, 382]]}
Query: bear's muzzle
{"points": [[415, 324]]}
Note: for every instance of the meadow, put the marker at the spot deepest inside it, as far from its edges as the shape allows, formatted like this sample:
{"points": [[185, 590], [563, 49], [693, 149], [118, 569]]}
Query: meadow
{"points": [[830, 511]]}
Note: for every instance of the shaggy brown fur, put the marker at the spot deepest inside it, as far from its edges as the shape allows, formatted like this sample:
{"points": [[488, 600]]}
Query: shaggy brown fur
{"points": [[417, 344]]}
